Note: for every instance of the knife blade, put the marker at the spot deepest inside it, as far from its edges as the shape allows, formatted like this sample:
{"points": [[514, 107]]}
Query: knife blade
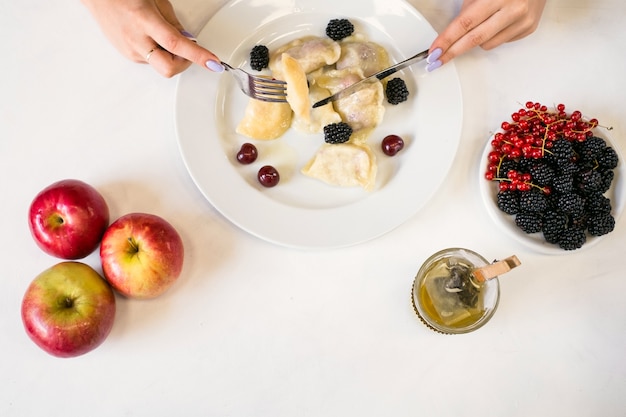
{"points": [[374, 77]]}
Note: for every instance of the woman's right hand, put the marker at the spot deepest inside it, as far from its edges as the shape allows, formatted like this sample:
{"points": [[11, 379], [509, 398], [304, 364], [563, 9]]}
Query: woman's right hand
{"points": [[485, 23]]}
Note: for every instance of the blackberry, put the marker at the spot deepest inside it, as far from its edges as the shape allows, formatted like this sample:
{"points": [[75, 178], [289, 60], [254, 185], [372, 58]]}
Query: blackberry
{"points": [[529, 222], [542, 173], [568, 167], [570, 203], [572, 238], [553, 225], [337, 29], [259, 57], [608, 158], [597, 204], [600, 224], [533, 201], [563, 183], [396, 91], [337, 132], [590, 149], [506, 166], [607, 179], [562, 150], [524, 164], [588, 181], [508, 201]]}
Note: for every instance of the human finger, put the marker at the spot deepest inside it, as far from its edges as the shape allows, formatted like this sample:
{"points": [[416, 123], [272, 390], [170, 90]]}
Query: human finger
{"points": [[468, 30], [509, 34], [472, 15], [166, 63], [174, 42]]}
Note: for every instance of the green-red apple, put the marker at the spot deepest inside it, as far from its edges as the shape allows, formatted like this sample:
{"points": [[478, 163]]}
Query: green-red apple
{"points": [[142, 255], [68, 218], [68, 309]]}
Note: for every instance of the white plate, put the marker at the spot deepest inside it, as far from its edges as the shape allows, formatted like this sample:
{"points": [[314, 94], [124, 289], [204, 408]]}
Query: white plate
{"points": [[300, 211], [536, 241]]}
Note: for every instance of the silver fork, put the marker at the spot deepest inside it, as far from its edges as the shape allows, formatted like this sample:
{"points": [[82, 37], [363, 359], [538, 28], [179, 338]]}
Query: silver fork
{"points": [[259, 87]]}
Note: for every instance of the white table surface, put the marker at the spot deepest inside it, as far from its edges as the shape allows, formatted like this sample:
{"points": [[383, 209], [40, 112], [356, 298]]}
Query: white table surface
{"points": [[255, 329]]}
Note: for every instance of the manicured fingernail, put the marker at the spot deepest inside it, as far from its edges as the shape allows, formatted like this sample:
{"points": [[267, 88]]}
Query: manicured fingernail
{"points": [[434, 56], [433, 65], [214, 66], [188, 35]]}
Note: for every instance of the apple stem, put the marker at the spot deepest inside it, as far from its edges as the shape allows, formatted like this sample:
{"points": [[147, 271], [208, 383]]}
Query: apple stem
{"points": [[133, 245], [67, 302]]}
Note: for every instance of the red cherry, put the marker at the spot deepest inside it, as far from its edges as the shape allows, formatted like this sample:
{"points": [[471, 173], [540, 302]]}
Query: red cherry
{"points": [[268, 176], [392, 144], [247, 154]]}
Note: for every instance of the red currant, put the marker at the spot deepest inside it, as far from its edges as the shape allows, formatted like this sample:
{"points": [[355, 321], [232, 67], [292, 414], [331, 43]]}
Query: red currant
{"points": [[268, 176], [392, 144], [247, 154]]}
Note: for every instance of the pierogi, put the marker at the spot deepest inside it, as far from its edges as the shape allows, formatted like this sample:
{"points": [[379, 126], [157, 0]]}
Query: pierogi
{"points": [[344, 164]]}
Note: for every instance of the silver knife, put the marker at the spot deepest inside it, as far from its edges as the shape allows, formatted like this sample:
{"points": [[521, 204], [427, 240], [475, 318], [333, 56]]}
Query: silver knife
{"points": [[378, 76]]}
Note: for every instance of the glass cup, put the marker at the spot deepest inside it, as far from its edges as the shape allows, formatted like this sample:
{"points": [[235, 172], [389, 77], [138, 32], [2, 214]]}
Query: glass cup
{"points": [[447, 297]]}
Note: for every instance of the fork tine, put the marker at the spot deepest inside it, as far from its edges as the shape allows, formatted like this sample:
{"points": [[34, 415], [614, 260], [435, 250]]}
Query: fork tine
{"points": [[269, 95], [265, 80], [270, 87], [273, 92], [259, 87]]}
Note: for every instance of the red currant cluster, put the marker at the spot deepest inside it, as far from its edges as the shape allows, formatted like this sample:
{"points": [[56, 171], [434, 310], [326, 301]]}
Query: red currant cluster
{"points": [[530, 134]]}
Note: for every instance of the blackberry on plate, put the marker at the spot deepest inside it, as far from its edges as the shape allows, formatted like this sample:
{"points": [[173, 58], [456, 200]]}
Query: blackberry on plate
{"points": [[562, 150], [553, 225], [529, 222], [337, 29], [542, 173], [570, 203], [506, 166], [396, 91], [607, 179], [508, 201], [597, 204], [600, 224], [572, 238], [337, 132], [568, 167], [588, 181], [563, 183], [259, 57], [590, 149], [524, 164], [608, 158], [533, 201]]}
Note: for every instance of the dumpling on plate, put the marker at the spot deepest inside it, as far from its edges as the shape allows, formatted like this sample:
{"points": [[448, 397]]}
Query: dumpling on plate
{"points": [[344, 165], [311, 52], [264, 120], [297, 89], [364, 54], [362, 110], [319, 116]]}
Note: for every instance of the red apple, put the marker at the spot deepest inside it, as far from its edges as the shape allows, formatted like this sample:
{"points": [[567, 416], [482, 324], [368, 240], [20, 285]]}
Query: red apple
{"points": [[142, 255], [68, 309], [68, 218]]}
